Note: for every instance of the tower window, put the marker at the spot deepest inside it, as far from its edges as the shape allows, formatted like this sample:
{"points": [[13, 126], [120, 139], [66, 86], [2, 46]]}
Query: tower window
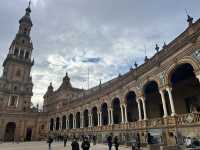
{"points": [[27, 55], [13, 100], [18, 73], [16, 51], [21, 53], [15, 88]]}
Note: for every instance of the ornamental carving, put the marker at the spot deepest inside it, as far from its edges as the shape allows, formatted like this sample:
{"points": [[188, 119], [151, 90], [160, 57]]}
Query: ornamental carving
{"points": [[196, 55]]}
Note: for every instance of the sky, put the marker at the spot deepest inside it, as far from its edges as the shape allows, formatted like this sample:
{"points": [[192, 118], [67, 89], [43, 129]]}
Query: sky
{"points": [[105, 37]]}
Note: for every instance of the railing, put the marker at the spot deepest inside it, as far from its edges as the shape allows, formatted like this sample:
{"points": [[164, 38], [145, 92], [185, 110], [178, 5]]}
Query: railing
{"points": [[178, 120]]}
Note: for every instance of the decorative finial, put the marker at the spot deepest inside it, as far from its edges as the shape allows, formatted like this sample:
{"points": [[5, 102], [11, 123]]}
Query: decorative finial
{"points": [[28, 9], [136, 65], [157, 48], [189, 18], [146, 59], [164, 45]]}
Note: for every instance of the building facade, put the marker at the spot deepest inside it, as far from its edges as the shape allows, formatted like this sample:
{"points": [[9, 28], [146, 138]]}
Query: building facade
{"points": [[160, 97], [18, 121]]}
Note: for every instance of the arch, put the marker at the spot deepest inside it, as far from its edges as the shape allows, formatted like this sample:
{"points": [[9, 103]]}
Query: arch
{"points": [[94, 116], [154, 107], [116, 111], [10, 132], [131, 106], [64, 122], [71, 121], [186, 60], [28, 134], [104, 111], [51, 124], [185, 88], [86, 118], [78, 122], [57, 123]]}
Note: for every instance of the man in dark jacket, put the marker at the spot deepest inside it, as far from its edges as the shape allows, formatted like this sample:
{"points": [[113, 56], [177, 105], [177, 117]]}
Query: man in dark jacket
{"points": [[86, 144], [109, 141], [75, 145], [49, 141], [116, 142]]}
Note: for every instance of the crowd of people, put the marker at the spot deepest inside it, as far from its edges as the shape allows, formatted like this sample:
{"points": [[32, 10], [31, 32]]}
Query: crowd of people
{"points": [[85, 142]]}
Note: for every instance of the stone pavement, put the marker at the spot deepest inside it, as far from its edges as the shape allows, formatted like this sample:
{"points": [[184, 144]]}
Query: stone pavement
{"points": [[44, 146]]}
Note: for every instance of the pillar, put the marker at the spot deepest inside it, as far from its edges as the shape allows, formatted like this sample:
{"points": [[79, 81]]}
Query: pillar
{"points": [[100, 118], [139, 110], [81, 119], [122, 114], [125, 112], [111, 114], [169, 90], [163, 103], [144, 108]]}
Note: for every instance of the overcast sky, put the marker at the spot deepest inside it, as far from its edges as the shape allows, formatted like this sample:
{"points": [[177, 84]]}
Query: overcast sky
{"points": [[106, 36]]}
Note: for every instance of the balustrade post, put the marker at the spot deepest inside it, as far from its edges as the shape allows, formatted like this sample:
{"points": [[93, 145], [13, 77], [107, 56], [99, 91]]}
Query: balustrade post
{"points": [[163, 103], [169, 90]]}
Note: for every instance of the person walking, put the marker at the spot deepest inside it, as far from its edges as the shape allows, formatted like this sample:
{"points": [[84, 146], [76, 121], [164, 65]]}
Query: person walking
{"points": [[94, 140], [86, 144], [138, 141], [116, 142], [75, 145], [65, 141], [50, 141], [109, 141]]}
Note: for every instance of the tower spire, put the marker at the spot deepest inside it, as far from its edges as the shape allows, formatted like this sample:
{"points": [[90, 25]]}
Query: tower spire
{"points": [[28, 9]]}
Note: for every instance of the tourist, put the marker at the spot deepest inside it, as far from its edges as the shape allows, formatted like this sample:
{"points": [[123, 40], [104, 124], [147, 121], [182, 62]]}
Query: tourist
{"points": [[109, 141], [138, 141], [75, 145], [94, 140], [116, 142], [86, 144], [49, 141], [65, 141]]}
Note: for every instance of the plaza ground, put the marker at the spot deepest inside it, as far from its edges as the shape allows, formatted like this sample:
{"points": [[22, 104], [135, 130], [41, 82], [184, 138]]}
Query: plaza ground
{"points": [[44, 146]]}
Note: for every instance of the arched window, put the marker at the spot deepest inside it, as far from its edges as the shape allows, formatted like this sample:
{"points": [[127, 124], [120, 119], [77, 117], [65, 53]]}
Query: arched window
{"points": [[27, 55], [18, 73], [13, 100], [16, 51], [21, 54]]}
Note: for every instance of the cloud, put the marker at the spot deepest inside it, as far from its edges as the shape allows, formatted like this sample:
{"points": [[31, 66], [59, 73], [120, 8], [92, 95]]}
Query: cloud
{"points": [[106, 36]]}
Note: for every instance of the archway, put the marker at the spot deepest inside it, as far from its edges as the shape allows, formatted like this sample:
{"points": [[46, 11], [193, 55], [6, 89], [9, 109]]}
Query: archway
{"points": [[78, 120], [71, 121], [185, 89], [10, 132], [94, 116], [154, 107], [131, 107], [104, 110], [116, 111], [28, 134], [57, 123], [51, 124], [86, 118], [64, 122]]}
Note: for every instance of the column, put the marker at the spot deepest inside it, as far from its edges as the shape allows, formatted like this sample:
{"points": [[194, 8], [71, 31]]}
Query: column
{"points": [[125, 112], [169, 90], [111, 118], [139, 110], [144, 108], [81, 119], [198, 77], [100, 118], [163, 103], [66, 123], [74, 123], [91, 121], [122, 114]]}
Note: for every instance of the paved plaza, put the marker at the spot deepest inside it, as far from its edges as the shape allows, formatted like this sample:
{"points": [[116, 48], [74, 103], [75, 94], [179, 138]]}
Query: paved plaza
{"points": [[44, 146]]}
